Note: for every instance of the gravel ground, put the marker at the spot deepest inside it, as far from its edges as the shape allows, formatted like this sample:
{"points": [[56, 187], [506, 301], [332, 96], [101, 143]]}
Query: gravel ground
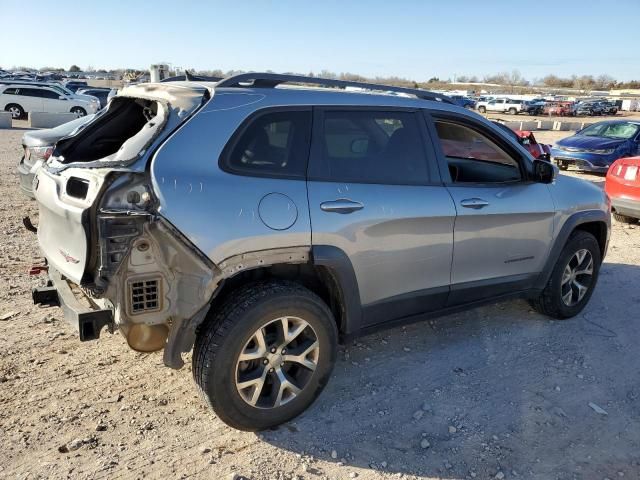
{"points": [[496, 392]]}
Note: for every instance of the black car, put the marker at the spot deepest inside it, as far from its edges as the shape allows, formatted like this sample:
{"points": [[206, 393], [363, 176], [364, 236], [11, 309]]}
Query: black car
{"points": [[74, 85], [101, 94]]}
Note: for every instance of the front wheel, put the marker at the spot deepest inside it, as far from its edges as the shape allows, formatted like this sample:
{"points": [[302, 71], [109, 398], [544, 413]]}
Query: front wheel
{"points": [[265, 355], [573, 278], [482, 109], [512, 111], [79, 111], [15, 110]]}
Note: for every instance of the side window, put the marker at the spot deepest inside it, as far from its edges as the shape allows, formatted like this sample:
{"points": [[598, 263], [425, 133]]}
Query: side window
{"points": [[473, 157], [10, 91], [31, 92], [49, 94], [367, 146], [271, 144]]}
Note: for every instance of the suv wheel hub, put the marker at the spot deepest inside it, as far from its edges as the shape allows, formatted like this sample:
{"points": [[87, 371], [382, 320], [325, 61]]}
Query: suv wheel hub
{"points": [[577, 277], [277, 362]]}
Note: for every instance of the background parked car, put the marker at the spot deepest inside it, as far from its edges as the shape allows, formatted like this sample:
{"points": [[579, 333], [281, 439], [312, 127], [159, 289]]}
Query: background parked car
{"points": [[102, 94], [623, 187], [74, 85], [560, 109], [502, 105], [463, 101], [21, 99], [587, 108], [58, 87], [597, 146], [37, 146], [528, 141]]}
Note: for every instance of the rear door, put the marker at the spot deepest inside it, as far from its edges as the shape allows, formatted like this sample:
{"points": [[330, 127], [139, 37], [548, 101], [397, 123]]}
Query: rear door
{"points": [[30, 99], [504, 224], [375, 193], [52, 101]]}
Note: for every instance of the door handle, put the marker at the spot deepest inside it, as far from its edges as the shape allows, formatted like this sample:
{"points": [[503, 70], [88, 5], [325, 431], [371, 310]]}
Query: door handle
{"points": [[341, 206], [476, 203]]}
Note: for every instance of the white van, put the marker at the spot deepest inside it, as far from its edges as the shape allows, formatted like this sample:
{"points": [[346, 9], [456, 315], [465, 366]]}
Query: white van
{"points": [[22, 98]]}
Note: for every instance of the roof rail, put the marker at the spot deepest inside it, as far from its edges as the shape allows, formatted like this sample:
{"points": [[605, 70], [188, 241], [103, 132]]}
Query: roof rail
{"points": [[271, 80]]}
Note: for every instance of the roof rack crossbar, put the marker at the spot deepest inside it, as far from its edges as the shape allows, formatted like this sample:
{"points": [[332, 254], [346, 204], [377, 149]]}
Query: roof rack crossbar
{"points": [[271, 80]]}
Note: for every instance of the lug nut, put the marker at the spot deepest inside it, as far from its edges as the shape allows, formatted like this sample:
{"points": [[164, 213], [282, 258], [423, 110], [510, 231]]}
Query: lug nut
{"points": [[265, 361], [273, 350], [283, 351], [271, 370]]}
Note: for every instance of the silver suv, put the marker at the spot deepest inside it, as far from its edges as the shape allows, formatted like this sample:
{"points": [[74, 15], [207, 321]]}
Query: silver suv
{"points": [[260, 224]]}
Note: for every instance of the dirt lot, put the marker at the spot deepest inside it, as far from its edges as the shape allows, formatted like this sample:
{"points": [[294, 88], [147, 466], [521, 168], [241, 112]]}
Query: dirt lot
{"points": [[497, 392]]}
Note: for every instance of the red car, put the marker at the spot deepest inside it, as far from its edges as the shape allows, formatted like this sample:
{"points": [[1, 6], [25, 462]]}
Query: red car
{"points": [[560, 109], [528, 141], [623, 187]]}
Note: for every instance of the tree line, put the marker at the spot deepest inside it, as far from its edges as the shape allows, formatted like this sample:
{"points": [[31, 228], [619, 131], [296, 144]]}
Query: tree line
{"points": [[513, 78]]}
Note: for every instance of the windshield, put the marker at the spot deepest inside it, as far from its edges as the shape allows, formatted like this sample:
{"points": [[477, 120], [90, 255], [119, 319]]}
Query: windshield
{"points": [[611, 130]]}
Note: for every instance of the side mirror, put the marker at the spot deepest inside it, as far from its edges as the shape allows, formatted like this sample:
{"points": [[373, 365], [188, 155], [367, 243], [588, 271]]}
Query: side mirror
{"points": [[543, 171]]}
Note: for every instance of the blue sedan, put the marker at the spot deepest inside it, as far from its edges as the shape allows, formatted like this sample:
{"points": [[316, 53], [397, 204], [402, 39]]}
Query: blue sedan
{"points": [[597, 146]]}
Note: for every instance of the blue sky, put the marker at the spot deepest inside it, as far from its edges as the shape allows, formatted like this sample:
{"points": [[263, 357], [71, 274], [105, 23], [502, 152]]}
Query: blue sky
{"points": [[413, 39]]}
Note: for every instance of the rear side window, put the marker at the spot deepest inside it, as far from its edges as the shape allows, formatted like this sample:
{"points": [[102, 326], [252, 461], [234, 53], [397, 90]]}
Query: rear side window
{"points": [[366, 146], [273, 144], [10, 91], [31, 92], [50, 94]]}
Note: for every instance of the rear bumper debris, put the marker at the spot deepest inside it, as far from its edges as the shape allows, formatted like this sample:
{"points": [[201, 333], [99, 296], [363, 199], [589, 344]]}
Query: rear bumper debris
{"points": [[88, 320]]}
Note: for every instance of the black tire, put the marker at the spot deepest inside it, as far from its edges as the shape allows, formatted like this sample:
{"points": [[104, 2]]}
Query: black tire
{"points": [[16, 110], [623, 218], [81, 112], [482, 109], [512, 111], [225, 333], [550, 301], [563, 166]]}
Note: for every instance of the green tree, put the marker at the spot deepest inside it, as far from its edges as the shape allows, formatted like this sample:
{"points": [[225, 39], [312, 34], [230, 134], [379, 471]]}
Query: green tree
{"points": [[74, 68]]}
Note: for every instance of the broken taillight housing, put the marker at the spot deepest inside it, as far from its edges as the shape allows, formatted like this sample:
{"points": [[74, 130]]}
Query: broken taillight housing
{"points": [[40, 153]]}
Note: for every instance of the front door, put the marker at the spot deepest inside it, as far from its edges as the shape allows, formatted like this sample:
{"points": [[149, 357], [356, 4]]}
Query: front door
{"points": [[504, 223], [375, 193]]}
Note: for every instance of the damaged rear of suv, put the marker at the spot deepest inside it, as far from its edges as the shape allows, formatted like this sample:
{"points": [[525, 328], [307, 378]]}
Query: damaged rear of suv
{"points": [[258, 225], [111, 257]]}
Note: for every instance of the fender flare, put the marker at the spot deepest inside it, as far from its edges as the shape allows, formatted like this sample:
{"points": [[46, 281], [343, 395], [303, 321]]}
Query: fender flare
{"points": [[337, 262], [578, 218]]}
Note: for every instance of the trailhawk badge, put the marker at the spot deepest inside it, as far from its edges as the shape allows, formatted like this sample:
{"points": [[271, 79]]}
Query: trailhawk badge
{"points": [[68, 257]]}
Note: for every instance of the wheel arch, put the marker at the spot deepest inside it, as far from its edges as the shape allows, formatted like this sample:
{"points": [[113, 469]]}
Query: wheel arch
{"points": [[328, 273], [595, 222]]}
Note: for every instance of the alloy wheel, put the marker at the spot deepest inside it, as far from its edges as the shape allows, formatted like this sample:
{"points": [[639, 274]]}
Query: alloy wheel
{"points": [[15, 112], [577, 277], [277, 362]]}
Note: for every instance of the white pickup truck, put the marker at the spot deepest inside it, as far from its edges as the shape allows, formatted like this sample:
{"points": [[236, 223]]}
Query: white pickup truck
{"points": [[503, 105]]}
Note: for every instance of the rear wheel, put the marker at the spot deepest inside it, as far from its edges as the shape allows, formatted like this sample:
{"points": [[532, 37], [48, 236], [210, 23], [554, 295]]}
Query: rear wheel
{"points": [[15, 110], [264, 356], [512, 111], [563, 165], [573, 278], [79, 111], [482, 109], [624, 219]]}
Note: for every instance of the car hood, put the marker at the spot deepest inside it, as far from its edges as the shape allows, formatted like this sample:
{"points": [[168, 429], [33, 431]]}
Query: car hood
{"points": [[581, 141], [49, 136]]}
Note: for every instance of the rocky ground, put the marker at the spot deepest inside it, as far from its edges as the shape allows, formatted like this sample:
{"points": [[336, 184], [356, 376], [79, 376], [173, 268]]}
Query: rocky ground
{"points": [[497, 392]]}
